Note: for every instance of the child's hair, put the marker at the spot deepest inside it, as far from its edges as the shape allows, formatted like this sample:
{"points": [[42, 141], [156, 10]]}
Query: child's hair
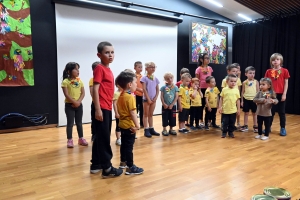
{"points": [[69, 68], [184, 70], [124, 78], [168, 74], [274, 56], [101, 46], [195, 80], [94, 65], [208, 79], [230, 76], [232, 66], [148, 64], [269, 81], [185, 75], [129, 70], [236, 64], [201, 56], [137, 63], [250, 68]]}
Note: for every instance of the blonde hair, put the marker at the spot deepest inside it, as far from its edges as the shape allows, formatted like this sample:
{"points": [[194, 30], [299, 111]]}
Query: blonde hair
{"points": [[269, 81], [274, 56], [185, 75], [168, 74], [195, 80], [148, 64]]}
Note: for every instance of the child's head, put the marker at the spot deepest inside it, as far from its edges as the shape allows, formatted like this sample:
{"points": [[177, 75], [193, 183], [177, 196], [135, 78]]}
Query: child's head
{"points": [[250, 72], [276, 60], [195, 83], [169, 78], [105, 52], [186, 79], [184, 70], [231, 80], [94, 65], [130, 70], [232, 69], [150, 67], [267, 85], [126, 81], [211, 81], [71, 70], [203, 59], [138, 67]]}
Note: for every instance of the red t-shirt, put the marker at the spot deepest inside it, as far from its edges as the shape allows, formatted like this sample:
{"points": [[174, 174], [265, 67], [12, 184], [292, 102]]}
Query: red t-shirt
{"points": [[278, 78], [104, 76]]}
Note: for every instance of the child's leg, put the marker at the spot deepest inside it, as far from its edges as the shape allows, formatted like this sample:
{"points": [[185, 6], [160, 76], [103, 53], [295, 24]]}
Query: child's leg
{"points": [[260, 123], [246, 115], [70, 113], [78, 120], [150, 114], [146, 113], [127, 143], [225, 123], [232, 118], [118, 131], [255, 119], [139, 99], [213, 115], [172, 118], [123, 146], [237, 120], [92, 121], [281, 111], [203, 105], [267, 121], [207, 113], [165, 118], [192, 115], [198, 116]]}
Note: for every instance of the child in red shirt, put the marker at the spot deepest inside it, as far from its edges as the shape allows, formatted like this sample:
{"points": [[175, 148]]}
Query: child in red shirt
{"points": [[279, 77]]}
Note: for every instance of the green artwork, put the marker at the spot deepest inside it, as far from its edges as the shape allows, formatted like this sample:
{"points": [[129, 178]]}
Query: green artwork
{"points": [[16, 58]]}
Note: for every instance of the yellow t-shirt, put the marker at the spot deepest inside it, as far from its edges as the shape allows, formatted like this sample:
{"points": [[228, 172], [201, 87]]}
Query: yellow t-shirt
{"points": [[197, 100], [250, 89], [116, 95], [91, 82], [212, 96], [125, 104], [238, 83], [185, 97], [230, 97], [73, 87]]}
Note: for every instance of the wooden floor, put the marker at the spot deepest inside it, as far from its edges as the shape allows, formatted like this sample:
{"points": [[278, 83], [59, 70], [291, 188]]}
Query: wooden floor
{"points": [[198, 165]]}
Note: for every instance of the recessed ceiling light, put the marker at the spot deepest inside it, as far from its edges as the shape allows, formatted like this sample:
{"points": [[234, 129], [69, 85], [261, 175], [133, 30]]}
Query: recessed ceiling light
{"points": [[244, 17], [215, 3]]}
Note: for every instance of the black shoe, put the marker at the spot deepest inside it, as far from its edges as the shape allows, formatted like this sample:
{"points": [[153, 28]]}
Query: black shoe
{"points": [[94, 169], [215, 126], [172, 132], [206, 128], [134, 170], [231, 135], [199, 128], [153, 132], [112, 173], [235, 128], [147, 133]]}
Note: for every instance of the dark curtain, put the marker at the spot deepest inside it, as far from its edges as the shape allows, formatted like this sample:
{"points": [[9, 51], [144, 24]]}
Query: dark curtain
{"points": [[254, 43]]}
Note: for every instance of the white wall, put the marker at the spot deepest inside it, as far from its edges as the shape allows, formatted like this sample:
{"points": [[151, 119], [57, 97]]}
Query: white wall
{"points": [[79, 31]]}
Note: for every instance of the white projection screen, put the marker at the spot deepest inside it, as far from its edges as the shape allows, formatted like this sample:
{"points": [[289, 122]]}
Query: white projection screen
{"points": [[79, 31]]}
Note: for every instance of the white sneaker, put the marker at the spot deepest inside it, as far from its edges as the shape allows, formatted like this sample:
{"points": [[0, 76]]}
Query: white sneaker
{"points": [[118, 142], [264, 138], [135, 137], [258, 137]]}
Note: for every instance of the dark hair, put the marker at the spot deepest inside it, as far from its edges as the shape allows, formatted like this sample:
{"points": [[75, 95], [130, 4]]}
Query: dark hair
{"points": [[232, 66], [186, 75], [101, 46], [124, 78], [230, 76], [69, 68], [184, 70], [207, 80], [137, 62], [201, 56], [94, 65], [250, 68], [236, 64]]}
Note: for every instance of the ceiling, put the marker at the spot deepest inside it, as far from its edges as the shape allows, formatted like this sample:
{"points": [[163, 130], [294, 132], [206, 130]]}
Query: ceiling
{"points": [[231, 9]]}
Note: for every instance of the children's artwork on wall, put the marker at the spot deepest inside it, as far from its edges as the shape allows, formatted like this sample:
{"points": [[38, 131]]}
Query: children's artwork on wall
{"points": [[16, 59], [208, 38]]}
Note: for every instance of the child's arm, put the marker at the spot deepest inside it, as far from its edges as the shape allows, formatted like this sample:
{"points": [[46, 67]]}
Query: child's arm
{"points": [[274, 101], [194, 94], [91, 91], [115, 106], [207, 104], [220, 105], [135, 121], [257, 86], [174, 101], [157, 92], [258, 99], [286, 85], [68, 97], [242, 94], [163, 100], [81, 95], [146, 93], [179, 104], [238, 106], [98, 111]]}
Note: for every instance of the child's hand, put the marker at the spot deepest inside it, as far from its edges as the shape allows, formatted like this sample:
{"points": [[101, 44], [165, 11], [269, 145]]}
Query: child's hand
{"points": [[195, 87], [238, 112], [117, 115], [220, 110], [134, 129], [283, 98], [165, 106], [154, 100], [209, 109], [149, 102], [76, 104], [242, 104], [98, 115], [180, 109], [171, 106]]}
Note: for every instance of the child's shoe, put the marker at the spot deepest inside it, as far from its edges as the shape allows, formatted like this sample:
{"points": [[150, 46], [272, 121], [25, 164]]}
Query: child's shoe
{"points": [[112, 173], [94, 169], [193, 128], [70, 143], [264, 138], [134, 170], [231, 135], [258, 137], [147, 133], [244, 128], [172, 132], [255, 129], [215, 126], [206, 128], [282, 132], [183, 130], [223, 135], [199, 127], [123, 165], [153, 132], [118, 142], [82, 142], [165, 133]]}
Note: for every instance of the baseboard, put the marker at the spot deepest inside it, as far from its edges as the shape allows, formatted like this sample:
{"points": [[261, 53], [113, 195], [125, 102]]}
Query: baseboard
{"points": [[29, 128]]}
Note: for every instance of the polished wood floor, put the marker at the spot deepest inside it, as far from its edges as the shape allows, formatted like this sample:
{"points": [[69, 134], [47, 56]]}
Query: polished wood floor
{"points": [[198, 165]]}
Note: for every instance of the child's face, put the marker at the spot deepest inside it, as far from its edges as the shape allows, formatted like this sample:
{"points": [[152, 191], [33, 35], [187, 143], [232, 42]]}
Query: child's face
{"points": [[276, 62], [250, 75], [231, 82], [133, 85], [233, 71], [186, 81], [238, 70], [75, 72], [150, 69], [169, 80], [264, 86], [107, 55], [195, 85], [206, 60], [138, 68], [212, 82]]}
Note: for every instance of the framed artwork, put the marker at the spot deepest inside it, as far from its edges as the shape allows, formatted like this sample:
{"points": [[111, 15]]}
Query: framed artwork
{"points": [[208, 38]]}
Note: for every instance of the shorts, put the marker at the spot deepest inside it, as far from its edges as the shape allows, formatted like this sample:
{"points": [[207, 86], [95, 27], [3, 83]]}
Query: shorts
{"points": [[249, 105], [117, 125], [184, 115]]}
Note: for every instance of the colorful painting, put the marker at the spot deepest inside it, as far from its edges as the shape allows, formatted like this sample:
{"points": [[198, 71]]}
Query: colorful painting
{"points": [[16, 58], [209, 39]]}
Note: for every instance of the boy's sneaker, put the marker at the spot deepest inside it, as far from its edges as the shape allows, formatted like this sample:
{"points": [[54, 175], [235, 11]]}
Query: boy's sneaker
{"points": [[282, 132], [206, 128], [94, 169], [147, 133], [123, 165], [244, 128], [70, 143], [255, 129], [186, 130], [187, 125], [82, 142], [183, 130], [172, 132], [118, 142], [134, 170], [165, 133], [215, 126], [112, 173], [264, 138], [231, 135], [223, 135], [258, 137], [193, 128], [153, 132], [199, 127]]}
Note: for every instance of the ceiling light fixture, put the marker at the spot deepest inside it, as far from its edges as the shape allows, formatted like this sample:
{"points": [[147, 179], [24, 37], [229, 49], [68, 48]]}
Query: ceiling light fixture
{"points": [[244, 17], [215, 3]]}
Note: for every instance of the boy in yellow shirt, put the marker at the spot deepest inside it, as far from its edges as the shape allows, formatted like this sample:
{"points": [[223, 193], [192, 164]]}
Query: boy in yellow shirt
{"points": [[196, 104], [128, 121], [184, 102], [229, 105]]}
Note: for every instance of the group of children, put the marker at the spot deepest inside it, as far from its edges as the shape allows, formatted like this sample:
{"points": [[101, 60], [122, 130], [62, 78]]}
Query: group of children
{"points": [[138, 93]]}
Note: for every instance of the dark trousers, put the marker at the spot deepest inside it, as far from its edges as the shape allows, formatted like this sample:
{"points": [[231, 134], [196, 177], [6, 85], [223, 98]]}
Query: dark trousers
{"points": [[203, 103], [92, 119], [101, 150], [264, 120], [210, 116], [127, 141], [169, 117], [228, 121], [74, 113], [280, 108], [195, 115], [140, 108]]}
